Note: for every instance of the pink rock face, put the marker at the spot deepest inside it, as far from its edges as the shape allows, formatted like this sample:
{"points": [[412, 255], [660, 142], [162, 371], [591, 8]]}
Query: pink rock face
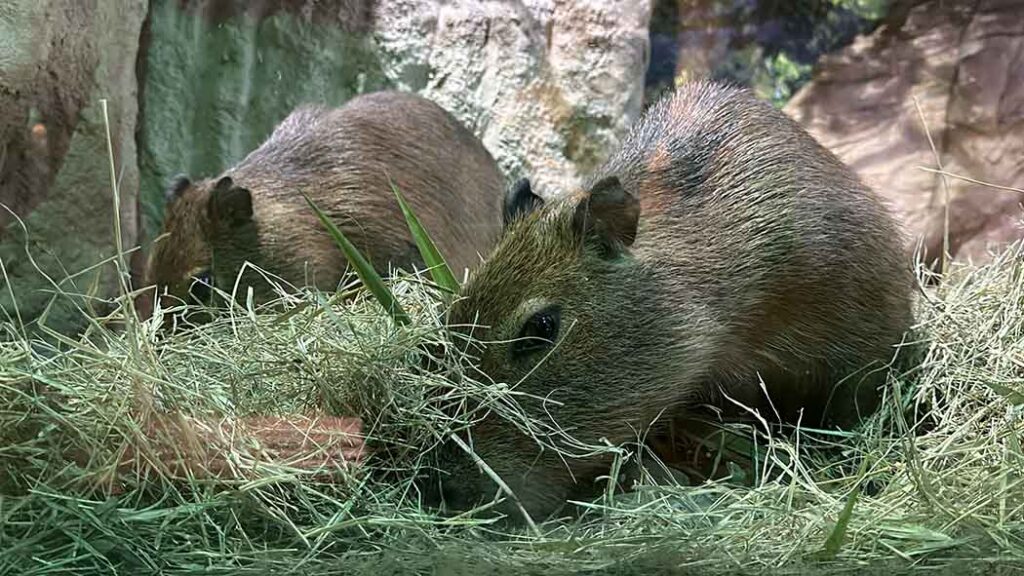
{"points": [[963, 62]]}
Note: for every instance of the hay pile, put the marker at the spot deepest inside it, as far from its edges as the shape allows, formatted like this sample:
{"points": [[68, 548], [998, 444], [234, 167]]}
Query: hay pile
{"points": [[126, 452]]}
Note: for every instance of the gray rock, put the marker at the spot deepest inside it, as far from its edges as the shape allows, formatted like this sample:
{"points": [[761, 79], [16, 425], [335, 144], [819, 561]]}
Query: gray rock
{"points": [[549, 86]]}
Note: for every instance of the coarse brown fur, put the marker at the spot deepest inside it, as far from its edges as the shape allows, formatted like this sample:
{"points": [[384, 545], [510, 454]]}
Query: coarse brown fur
{"points": [[757, 255], [340, 158]]}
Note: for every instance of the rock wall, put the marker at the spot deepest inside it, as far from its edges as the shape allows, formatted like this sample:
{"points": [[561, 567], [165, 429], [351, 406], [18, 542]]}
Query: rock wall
{"points": [[962, 65], [550, 86], [58, 59]]}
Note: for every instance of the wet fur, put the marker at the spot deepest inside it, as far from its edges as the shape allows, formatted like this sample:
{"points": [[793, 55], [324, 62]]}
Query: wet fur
{"points": [[757, 255]]}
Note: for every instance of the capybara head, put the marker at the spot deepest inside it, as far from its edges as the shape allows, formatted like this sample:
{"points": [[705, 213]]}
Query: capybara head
{"points": [[555, 311], [182, 266]]}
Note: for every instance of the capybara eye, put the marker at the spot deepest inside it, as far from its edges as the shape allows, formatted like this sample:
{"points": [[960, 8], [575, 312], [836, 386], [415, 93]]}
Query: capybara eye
{"points": [[202, 287], [538, 333]]}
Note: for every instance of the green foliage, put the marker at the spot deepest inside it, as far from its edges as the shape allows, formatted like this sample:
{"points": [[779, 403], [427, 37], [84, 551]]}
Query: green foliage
{"points": [[867, 9], [777, 78], [835, 538], [772, 47], [366, 272], [435, 262], [943, 457]]}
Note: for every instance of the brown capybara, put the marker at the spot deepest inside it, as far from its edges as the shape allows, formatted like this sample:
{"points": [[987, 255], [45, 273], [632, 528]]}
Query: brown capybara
{"points": [[721, 245], [341, 158]]}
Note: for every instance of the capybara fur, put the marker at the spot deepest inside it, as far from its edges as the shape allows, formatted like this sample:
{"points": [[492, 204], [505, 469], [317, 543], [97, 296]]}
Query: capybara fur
{"points": [[720, 246], [342, 159]]}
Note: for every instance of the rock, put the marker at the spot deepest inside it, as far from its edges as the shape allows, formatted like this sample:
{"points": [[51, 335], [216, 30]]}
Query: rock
{"points": [[58, 59], [963, 64], [549, 86]]}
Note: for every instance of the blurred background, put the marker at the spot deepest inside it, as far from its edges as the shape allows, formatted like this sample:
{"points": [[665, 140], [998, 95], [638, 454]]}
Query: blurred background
{"points": [[896, 88]]}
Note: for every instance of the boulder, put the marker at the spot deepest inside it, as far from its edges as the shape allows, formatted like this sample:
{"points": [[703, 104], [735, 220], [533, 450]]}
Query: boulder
{"points": [[58, 59], [549, 86], [956, 68]]}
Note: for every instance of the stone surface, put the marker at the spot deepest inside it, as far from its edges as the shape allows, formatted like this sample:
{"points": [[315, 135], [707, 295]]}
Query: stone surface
{"points": [[962, 65], [549, 85], [58, 59]]}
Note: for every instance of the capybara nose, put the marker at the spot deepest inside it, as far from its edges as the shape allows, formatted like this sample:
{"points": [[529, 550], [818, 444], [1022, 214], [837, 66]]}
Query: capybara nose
{"points": [[456, 485]]}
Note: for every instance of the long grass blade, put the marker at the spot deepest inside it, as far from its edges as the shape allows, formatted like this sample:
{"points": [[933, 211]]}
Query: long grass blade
{"points": [[835, 539], [439, 269], [366, 272]]}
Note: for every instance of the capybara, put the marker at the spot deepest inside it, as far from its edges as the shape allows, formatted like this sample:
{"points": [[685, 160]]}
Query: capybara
{"points": [[341, 158], [720, 246]]}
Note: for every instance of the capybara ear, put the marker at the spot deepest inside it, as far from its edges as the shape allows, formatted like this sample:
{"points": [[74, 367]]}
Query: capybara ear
{"points": [[176, 186], [520, 201], [608, 212], [230, 205]]}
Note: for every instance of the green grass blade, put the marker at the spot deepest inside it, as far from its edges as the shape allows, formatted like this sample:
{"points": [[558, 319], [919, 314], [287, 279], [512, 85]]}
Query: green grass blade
{"points": [[835, 539], [1011, 395], [366, 272], [439, 269], [834, 542]]}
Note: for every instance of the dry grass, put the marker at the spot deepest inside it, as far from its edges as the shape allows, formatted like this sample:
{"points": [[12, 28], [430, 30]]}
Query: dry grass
{"points": [[87, 486]]}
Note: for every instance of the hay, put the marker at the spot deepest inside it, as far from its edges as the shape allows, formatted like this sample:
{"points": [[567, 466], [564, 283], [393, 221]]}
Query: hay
{"points": [[123, 451]]}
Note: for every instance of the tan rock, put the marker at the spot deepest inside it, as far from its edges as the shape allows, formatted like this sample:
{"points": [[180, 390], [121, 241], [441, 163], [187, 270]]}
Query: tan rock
{"points": [[957, 68], [549, 85]]}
